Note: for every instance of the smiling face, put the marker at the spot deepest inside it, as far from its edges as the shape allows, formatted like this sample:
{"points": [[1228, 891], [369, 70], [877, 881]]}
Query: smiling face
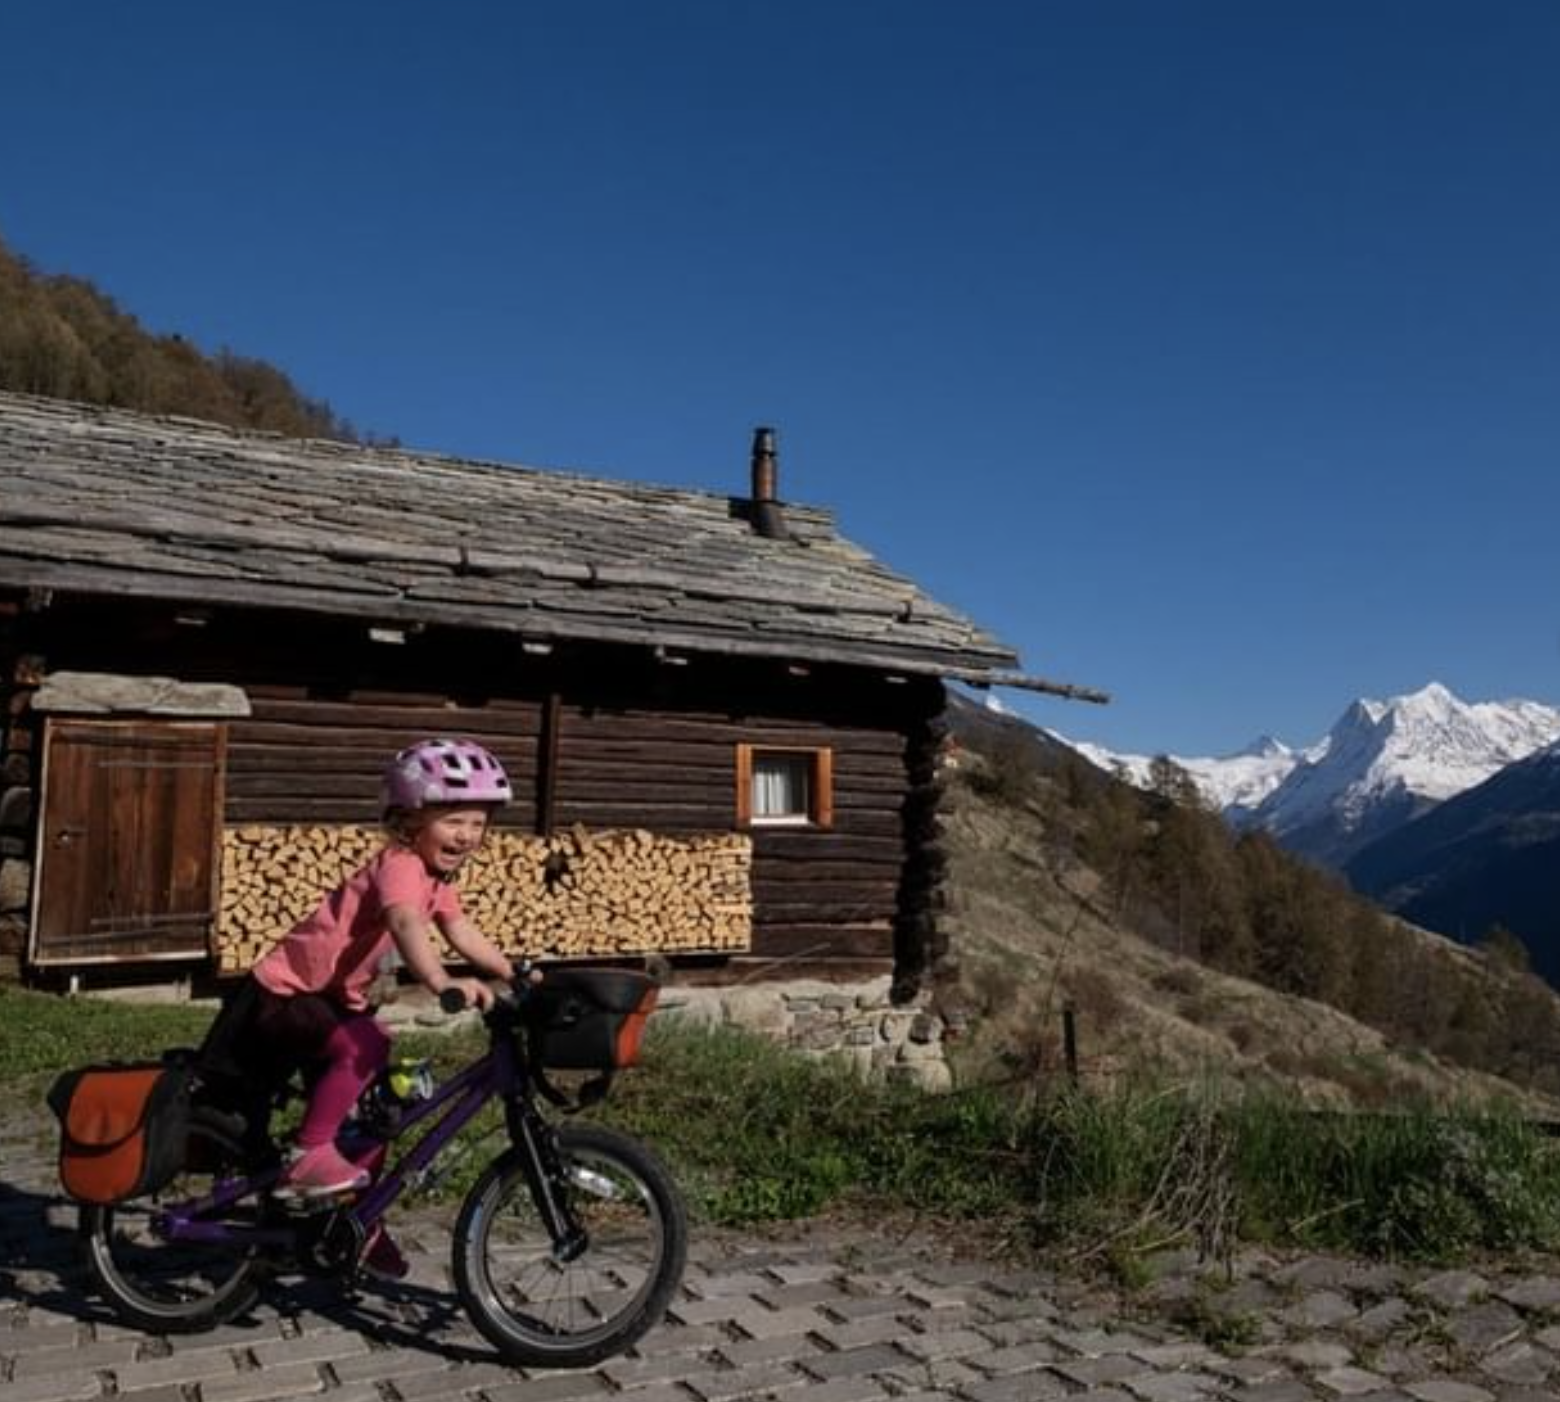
{"points": [[444, 835]]}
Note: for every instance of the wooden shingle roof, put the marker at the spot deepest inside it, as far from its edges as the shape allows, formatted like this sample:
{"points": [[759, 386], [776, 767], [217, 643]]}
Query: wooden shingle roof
{"points": [[104, 501]]}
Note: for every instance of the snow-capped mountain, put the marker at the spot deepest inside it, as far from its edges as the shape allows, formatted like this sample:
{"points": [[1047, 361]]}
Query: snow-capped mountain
{"points": [[1382, 763], [1385, 762], [1233, 784]]}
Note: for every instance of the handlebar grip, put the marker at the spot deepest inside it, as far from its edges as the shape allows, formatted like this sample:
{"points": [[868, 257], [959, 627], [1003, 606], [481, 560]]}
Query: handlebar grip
{"points": [[452, 1000]]}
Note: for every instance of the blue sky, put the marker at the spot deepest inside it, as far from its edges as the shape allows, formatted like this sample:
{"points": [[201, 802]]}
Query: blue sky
{"points": [[1208, 353]]}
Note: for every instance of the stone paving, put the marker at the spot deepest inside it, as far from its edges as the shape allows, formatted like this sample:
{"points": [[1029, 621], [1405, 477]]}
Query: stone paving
{"points": [[845, 1312]]}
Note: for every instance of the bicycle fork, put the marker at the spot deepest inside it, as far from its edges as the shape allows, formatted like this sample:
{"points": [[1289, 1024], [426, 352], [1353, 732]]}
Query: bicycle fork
{"points": [[548, 1179]]}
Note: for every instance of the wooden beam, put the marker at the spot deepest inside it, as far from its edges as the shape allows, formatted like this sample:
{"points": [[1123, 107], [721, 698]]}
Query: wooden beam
{"points": [[1019, 681], [547, 764]]}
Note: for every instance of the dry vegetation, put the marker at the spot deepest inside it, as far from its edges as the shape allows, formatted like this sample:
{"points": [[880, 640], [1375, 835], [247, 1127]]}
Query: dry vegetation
{"points": [[62, 337], [1035, 929]]}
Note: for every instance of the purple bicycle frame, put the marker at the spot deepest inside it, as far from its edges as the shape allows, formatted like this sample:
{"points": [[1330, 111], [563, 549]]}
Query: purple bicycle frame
{"points": [[459, 1098]]}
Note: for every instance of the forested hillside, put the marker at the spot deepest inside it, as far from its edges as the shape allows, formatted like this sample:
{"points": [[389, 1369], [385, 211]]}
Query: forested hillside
{"points": [[1243, 955], [63, 338], [1486, 857]]}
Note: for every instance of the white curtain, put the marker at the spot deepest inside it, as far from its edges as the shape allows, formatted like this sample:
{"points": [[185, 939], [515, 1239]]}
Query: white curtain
{"points": [[780, 786]]}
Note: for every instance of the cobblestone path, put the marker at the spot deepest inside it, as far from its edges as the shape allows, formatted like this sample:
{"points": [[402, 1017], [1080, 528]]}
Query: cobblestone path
{"points": [[817, 1314]]}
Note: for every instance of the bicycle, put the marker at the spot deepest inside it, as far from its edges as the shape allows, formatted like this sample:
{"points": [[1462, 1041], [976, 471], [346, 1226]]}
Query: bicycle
{"points": [[566, 1249]]}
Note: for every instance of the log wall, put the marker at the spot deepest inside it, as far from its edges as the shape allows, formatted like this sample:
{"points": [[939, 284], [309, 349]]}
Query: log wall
{"points": [[304, 759], [597, 740], [920, 938], [18, 782], [822, 898]]}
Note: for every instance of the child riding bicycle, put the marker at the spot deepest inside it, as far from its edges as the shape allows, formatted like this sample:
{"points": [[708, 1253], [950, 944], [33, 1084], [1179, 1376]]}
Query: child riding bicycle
{"points": [[307, 1001]]}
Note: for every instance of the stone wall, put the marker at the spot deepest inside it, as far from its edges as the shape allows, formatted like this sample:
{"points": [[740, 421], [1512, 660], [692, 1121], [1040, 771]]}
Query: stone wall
{"points": [[855, 1023]]}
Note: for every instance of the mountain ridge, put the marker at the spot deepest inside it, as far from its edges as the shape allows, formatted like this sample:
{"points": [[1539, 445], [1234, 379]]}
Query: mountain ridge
{"points": [[1382, 764]]}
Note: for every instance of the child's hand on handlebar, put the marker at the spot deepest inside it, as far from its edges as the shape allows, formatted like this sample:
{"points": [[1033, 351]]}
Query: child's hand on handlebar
{"points": [[469, 992]]}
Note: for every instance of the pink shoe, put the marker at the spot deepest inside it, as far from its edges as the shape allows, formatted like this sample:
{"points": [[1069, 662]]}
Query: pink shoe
{"points": [[318, 1171], [382, 1257]]}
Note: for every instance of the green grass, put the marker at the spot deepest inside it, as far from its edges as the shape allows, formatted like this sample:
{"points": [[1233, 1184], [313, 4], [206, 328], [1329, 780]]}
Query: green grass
{"points": [[42, 1033], [755, 1134], [1419, 1184]]}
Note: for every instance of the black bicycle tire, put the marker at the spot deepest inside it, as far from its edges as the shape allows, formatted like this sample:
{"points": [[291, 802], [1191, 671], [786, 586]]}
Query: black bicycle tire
{"points": [[503, 1180], [131, 1302]]}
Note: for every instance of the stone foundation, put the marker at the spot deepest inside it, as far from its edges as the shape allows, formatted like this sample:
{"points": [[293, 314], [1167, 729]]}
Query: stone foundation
{"points": [[854, 1023]]}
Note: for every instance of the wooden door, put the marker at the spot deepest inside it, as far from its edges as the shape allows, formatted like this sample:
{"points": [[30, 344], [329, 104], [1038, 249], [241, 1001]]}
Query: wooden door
{"points": [[128, 840]]}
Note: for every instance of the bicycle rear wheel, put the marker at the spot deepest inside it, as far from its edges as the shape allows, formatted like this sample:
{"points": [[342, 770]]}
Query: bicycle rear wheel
{"points": [[173, 1287], [538, 1309]]}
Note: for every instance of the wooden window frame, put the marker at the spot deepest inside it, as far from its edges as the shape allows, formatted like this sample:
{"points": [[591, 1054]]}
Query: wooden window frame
{"points": [[820, 797]]}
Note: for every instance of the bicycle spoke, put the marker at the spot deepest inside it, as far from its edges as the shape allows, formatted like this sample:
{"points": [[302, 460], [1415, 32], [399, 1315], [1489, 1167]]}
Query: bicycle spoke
{"points": [[544, 1310]]}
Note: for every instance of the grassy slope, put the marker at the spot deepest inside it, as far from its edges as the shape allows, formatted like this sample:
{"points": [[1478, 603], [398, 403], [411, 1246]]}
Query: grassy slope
{"points": [[1032, 932]]}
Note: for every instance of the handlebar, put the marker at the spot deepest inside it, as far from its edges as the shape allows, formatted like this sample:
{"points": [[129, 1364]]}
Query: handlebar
{"points": [[525, 974]]}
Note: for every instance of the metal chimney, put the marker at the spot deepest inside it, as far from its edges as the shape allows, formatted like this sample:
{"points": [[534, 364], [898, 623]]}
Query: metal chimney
{"points": [[767, 518]]}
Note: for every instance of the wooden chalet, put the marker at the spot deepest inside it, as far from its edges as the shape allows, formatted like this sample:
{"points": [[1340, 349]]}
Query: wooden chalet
{"points": [[723, 719]]}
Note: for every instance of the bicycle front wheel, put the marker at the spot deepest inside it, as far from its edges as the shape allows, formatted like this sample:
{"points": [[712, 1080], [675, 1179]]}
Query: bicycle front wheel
{"points": [[172, 1287], [540, 1309]]}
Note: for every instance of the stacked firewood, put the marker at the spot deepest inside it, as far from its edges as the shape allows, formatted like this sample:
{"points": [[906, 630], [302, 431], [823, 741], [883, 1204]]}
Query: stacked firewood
{"points": [[574, 894]]}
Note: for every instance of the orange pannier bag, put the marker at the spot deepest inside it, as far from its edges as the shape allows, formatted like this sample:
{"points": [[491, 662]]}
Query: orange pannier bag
{"points": [[124, 1128]]}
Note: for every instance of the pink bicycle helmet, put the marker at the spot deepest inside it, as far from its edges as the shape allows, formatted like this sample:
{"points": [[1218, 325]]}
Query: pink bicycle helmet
{"points": [[443, 771]]}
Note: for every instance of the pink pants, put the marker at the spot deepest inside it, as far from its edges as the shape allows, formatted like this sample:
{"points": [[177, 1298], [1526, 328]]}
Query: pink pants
{"points": [[355, 1053], [342, 1050]]}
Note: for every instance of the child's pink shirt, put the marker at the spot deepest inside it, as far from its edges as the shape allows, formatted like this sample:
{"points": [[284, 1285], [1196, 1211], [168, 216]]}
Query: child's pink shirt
{"points": [[337, 950]]}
